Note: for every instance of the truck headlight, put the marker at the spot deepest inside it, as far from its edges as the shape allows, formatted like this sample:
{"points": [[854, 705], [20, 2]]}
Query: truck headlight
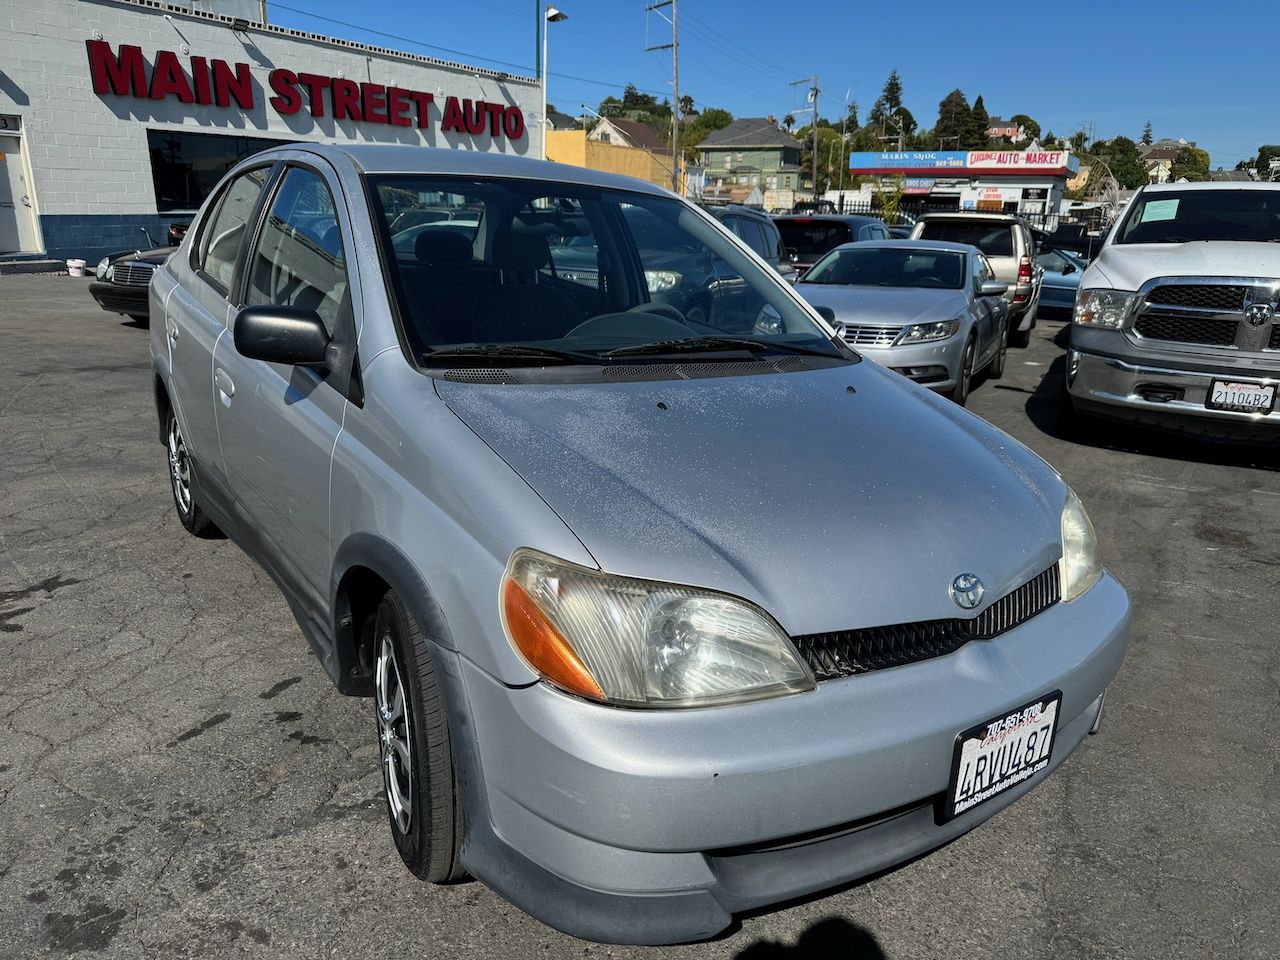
{"points": [[660, 281], [642, 643], [1103, 308], [1080, 568], [924, 332], [104, 265]]}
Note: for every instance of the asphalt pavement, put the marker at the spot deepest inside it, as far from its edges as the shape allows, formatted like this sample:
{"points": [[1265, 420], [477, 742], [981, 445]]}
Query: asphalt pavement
{"points": [[178, 777]]}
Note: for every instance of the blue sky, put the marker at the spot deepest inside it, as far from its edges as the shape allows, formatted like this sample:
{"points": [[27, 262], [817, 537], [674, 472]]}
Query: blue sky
{"points": [[1191, 72]]}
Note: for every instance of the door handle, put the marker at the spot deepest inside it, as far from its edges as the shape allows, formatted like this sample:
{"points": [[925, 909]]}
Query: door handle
{"points": [[171, 329], [226, 386]]}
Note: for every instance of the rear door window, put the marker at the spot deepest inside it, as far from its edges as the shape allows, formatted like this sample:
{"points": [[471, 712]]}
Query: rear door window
{"points": [[220, 243], [751, 234], [993, 239]]}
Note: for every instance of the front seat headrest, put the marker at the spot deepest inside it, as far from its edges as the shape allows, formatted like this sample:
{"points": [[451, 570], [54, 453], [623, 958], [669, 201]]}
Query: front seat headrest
{"points": [[442, 246], [520, 252]]}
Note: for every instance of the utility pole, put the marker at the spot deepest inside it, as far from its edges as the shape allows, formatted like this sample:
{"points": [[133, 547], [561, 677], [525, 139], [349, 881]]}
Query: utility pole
{"points": [[813, 99], [263, 5], [674, 47]]}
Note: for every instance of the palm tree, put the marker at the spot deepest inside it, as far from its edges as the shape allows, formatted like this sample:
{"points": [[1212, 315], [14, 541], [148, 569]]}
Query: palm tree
{"points": [[686, 105], [788, 121]]}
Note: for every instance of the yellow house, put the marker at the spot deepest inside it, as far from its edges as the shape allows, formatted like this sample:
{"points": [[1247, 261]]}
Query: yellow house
{"points": [[573, 147]]}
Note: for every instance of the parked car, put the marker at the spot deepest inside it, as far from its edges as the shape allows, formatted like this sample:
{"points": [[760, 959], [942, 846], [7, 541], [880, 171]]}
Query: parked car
{"points": [[814, 206], [613, 577], [758, 231], [177, 231], [1062, 273], [1006, 241], [1177, 321], [932, 311], [899, 233], [122, 281], [808, 238]]}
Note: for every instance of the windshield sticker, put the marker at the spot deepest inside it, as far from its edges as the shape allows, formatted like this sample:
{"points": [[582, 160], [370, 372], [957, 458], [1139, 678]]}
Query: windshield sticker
{"points": [[1159, 210]]}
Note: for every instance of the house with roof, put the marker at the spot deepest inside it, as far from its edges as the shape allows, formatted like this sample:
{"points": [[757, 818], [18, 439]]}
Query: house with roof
{"points": [[748, 154], [628, 133], [1000, 129], [1158, 158]]}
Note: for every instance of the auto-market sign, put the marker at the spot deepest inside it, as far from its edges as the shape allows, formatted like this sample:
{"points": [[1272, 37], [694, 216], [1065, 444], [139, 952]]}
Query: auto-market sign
{"points": [[220, 84]]}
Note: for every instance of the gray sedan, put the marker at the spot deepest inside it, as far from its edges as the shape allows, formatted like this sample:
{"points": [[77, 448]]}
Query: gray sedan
{"points": [[631, 663], [931, 310]]}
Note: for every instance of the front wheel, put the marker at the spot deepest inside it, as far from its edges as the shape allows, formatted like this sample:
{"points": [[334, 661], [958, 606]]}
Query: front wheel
{"points": [[996, 370], [193, 519], [413, 743], [960, 392]]}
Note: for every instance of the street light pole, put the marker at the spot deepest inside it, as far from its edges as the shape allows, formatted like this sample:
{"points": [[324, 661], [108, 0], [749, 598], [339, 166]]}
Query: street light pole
{"points": [[549, 15]]}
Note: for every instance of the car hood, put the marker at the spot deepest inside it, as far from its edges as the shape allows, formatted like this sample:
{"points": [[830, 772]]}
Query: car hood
{"points": [[854, 305], [1127, 266], [830, 507], [156, 255]]}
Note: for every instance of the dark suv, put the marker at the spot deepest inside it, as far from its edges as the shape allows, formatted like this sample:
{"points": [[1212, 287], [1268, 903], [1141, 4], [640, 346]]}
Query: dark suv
{"points": [[808, 238], [758, 231]]}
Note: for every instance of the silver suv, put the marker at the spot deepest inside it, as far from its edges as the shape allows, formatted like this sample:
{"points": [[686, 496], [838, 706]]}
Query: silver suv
{"points": [[1006, 241], [632, 664], [1177, 321]]}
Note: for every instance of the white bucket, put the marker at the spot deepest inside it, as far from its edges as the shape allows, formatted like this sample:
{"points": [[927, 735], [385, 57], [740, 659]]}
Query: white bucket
{"points": [[75, 268]]}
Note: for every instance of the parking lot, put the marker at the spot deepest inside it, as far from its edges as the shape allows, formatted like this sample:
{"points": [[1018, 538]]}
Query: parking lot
{"points": [[179, 778]]}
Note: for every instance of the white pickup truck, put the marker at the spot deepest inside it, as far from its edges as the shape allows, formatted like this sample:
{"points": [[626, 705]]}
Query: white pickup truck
{"points": [[1177, 320]]}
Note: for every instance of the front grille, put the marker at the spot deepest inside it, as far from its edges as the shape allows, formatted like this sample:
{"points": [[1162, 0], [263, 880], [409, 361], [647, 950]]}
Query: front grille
{"points": [[869, 335], [1213, 331], [131, 273], [845, 653], [1205, 296]]}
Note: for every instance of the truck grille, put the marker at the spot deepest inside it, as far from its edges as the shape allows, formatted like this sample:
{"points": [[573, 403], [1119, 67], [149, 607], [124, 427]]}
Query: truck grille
{"points": [[869, 335], [1206, 296], [1215, 331], [131, 273], [845, 653]]}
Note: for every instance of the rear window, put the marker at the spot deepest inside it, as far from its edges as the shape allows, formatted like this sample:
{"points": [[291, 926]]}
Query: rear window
{"points": [[993, 239], [813, 238]]}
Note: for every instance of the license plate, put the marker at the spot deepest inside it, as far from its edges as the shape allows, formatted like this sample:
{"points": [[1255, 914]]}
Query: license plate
{"points": [[1001, 753], [1245, 397]]}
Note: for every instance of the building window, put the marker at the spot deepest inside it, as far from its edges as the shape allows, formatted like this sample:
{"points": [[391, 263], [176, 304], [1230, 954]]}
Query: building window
{"points": [[185, 167], [604, 138]]}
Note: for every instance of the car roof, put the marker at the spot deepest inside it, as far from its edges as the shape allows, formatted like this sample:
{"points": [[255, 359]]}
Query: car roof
{"points": [[970, 215], [1211, 185], [386, 158], [941, 246], [831, 217]]}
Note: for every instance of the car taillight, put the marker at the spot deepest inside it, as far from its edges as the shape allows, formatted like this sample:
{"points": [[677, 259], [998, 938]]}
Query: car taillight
{"points": [[1024, 269]]}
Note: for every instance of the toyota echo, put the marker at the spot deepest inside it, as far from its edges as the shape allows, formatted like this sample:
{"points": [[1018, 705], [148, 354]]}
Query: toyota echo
{"points": [[670, 605]]}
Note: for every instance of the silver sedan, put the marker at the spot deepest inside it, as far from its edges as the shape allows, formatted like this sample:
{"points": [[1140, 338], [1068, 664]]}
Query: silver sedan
{"points": [[930, 310]]}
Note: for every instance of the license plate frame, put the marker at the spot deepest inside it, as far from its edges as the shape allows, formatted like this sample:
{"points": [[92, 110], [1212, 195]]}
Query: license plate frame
{"points": [[1212, 404], [1016, 724]]}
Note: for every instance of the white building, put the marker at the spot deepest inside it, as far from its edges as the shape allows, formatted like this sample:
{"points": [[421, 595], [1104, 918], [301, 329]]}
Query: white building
{"points": [[118, 116]]}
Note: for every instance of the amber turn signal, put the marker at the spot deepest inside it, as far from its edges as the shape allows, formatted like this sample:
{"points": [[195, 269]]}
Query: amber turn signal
{"points": [[542, 646]]}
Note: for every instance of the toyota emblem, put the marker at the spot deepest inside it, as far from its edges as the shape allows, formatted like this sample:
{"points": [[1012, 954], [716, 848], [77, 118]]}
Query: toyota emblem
{"points": [[967, 591]]}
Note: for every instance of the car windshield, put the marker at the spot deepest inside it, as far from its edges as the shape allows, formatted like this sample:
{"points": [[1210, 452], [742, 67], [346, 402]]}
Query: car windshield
{"points": [[1180, 216], [993, 239], [890, 266], [490, 271], [812, 238]]}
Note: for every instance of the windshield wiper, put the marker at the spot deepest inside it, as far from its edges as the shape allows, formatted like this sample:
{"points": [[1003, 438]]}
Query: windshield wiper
{"points": [[506, 351], [712, 345]]}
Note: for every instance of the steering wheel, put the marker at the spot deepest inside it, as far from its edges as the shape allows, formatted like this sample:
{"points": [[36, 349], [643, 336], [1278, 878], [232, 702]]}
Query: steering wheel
{"points": [[661, 309], [929, 283], [650, 324]]}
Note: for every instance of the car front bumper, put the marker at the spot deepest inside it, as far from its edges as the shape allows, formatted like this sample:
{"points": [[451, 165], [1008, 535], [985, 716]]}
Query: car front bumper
{"points": [[1165, 397], [656, 826], [933, 365], [119, 298]]}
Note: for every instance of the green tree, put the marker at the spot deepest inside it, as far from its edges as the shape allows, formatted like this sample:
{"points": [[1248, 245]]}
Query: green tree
{"points": [[686, 105], [979, 121], [788, 121], [1146, 134], [1191, 163], [1029, 126], [1122, 156], [696, 130], [833, 155], [890, 100], [1266, 153], [954, 121]]}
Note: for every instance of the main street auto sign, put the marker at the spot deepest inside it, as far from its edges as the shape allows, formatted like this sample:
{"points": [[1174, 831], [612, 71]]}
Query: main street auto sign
{"points": [[218, 83]]}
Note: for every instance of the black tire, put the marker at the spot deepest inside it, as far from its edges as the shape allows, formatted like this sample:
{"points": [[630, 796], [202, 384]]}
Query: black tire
{"points": [[995, 370], [193, 519], [429, 836], [960, 392]]}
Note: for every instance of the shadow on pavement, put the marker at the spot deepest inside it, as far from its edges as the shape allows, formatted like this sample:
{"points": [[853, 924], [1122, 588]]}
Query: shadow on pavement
{"points": [[827, 939], [1047, 411]]}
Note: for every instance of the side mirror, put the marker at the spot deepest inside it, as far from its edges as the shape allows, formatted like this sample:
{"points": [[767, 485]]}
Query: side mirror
{"points": [[829, 315], [992, 288], [1068, 268], [281, 335]]}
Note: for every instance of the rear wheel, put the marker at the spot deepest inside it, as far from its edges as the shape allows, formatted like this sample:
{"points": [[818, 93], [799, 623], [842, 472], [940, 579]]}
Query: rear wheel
{"points": [[960, 392], [192, 517], [413, 741]]}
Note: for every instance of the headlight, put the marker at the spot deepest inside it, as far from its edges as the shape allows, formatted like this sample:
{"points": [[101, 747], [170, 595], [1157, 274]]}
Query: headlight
{"points": [[924, 332], [642, 643], [1079, 568], [103, 266], [660, 281], [1103, 308]]}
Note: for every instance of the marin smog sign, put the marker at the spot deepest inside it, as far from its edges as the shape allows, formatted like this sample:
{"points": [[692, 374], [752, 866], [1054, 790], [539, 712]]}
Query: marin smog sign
{"points": [[218, 83]]}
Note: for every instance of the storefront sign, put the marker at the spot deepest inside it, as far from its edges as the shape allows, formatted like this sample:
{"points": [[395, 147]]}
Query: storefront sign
{"points": [[1015, 161], [906, 160], [956, 162], [914, 186], [220, 84]]}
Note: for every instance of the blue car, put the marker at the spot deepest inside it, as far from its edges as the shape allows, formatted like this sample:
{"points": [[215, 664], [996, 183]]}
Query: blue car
{"points": [[1062, 272]]}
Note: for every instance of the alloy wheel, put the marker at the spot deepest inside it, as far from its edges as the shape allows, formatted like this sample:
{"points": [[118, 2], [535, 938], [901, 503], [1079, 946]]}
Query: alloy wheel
{"points": [[393, 735], [179, 467]]}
